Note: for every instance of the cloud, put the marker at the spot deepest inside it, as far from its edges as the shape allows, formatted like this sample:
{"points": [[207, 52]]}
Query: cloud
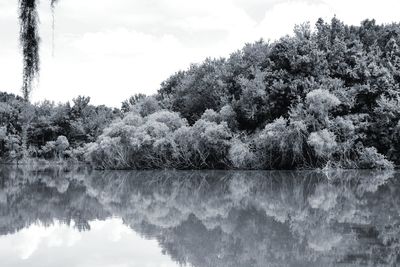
{"points": [[29, 240], [281, 19], [108, 243], [353, 12], [111, 49], [124, 42], [121, 60]]}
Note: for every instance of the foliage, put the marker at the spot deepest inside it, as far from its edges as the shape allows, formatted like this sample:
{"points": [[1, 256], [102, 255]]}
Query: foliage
{"points": [[161, 139], [54, 130], [324, 96], [323, 142]]}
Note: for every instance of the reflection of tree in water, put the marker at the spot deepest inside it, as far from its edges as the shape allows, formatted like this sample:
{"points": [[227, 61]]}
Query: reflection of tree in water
{"points": [[219, 218], [27, 198]]}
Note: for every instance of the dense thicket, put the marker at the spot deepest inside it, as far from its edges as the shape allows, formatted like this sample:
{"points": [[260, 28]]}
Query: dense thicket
{"points": [[54, 131], [326, 96]]}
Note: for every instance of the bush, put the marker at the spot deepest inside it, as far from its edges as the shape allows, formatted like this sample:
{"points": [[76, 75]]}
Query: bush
{"points": [[61, 145], [328, 96], [161, 140], [369, 158], [320, 102], [323, 142], [240, 155], [281, 145]]}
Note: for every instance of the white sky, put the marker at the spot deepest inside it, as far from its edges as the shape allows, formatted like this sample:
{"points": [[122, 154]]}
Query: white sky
{"points": [[111, 49]]}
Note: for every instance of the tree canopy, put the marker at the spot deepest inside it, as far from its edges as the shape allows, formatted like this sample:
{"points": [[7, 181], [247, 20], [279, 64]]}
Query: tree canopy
{"points": [[326, 96]]}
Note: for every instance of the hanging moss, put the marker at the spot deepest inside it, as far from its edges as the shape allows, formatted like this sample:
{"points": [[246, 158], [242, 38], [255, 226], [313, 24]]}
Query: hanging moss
{"points": [[53, 3], [30, 40]]}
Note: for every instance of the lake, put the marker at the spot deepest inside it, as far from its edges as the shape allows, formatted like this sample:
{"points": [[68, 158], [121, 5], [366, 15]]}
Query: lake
{"points": [[81, 217]]}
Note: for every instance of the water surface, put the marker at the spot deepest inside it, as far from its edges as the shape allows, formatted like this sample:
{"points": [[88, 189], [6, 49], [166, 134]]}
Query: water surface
{"points": [[50, 217]]}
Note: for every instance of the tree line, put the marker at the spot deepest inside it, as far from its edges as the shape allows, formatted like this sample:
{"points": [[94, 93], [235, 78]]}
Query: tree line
{"points": [[54, 132], [324, 96]]}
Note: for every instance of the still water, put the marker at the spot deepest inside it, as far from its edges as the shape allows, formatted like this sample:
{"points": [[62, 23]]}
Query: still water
{"points": [[71, 218]]}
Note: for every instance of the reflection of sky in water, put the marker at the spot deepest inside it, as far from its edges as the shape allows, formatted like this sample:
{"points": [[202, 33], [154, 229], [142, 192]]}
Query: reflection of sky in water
{"points": [[109, 243]]}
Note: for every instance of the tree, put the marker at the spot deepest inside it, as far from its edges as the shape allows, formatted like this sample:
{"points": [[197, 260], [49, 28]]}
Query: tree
{"points": [[317, 98], [127, 104], [61, 144], [200, 88]]}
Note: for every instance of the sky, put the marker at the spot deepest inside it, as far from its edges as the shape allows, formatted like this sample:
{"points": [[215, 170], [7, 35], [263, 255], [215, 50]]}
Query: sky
{"points": [[112, 49]]}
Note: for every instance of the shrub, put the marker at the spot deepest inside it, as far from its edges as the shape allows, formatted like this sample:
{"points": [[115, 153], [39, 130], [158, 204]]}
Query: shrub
{"points": [[320, 102], [282, 144], [240, 155], [228, 115], [61, 145], [160, 140], [210, 144], [369, 158], [323, 142]]}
